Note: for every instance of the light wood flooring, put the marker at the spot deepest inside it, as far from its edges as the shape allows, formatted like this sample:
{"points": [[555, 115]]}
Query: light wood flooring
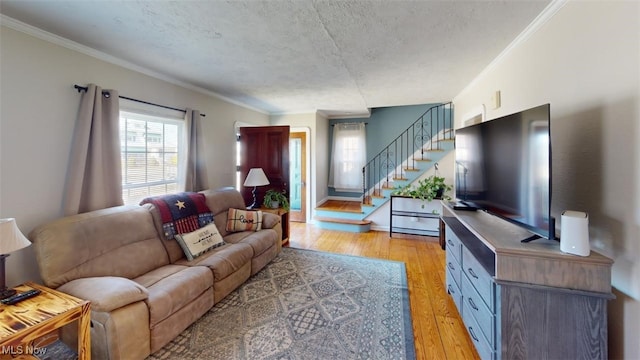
{"points": [[438, 330], [344, 206]]}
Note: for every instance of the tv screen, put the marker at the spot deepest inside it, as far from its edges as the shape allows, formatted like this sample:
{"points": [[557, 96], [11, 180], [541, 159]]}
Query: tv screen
{"points": [[503, 166]]}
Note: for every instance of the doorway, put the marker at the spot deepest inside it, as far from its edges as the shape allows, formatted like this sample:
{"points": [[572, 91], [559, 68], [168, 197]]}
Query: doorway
{"points": [[265, 147], [298, 176]]}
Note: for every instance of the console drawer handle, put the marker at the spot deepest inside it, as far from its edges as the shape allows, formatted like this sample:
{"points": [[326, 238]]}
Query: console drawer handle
{"points": [[450, 242], [473, 335], [451, 290], [472, 273], [473, 305], [450, 265]]}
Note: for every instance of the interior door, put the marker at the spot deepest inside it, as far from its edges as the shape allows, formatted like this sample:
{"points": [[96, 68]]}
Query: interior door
{"points": [[265, 147], [298, 176]]}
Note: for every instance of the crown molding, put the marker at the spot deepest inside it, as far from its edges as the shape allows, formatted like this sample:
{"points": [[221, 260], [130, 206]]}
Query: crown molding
{"points": [[72, 45], [537, 23]]}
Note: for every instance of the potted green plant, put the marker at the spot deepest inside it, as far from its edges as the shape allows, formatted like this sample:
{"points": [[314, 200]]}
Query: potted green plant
{"points": [[274, 199], [427, 189]]}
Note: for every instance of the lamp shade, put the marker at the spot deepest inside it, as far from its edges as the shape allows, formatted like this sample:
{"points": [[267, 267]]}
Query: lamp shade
{"points": [[256, 177], [11, 239]]}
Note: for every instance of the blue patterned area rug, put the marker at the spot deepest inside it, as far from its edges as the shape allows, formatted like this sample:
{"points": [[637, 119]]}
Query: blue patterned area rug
{"points": [[307, 305]]}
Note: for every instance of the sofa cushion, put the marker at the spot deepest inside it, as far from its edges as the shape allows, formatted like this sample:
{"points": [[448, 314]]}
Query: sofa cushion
{"points": [[259, 241], [106, 293], [200, 241], [244, 220], [269, 220], [120, 241], [220, 201], [224, 260], [172, 287]]}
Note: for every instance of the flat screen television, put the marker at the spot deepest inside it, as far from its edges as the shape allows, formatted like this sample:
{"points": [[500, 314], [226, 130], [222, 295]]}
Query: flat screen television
{"points": [[503, 166]]}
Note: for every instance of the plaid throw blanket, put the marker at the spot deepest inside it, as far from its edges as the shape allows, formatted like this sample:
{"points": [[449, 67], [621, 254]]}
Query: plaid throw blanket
{"points": [[182, 212]]}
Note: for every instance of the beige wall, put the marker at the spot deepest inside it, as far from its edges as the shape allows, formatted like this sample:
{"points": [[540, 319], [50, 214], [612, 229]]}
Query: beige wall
{"points": [[322, 158], [38, 108], [585, 61]]}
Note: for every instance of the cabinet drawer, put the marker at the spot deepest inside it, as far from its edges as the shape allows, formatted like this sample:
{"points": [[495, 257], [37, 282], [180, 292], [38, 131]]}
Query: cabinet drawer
{"points": [[454, 291], [485, 350], [484, 317], [479, 278], [454, 245], [453, 265]]}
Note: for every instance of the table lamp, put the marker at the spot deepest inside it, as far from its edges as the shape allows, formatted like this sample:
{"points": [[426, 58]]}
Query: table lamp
{"points": [[255, 177], [11, 239]]}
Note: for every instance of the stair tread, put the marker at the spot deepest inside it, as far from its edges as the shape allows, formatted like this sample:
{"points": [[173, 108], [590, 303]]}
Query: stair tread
{"points": [[346, 211], [343, 221], [343, 206]]}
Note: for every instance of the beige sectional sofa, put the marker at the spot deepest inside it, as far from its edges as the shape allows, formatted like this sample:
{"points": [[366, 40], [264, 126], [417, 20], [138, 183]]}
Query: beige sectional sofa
{"points": [[142, 288]]}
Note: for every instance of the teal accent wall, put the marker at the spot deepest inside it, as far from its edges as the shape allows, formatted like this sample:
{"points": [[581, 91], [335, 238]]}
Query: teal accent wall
{"points": [[383, 126]]}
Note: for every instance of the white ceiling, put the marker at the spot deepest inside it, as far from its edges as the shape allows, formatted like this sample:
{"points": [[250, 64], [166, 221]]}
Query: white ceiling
{"points": [[287, 56]]}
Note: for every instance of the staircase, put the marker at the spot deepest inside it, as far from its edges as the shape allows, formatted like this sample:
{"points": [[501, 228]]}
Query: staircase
{"points": [[409, 156]]}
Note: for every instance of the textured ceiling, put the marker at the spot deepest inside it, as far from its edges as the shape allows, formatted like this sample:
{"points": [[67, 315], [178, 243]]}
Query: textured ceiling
{"points": [[340, 57]]}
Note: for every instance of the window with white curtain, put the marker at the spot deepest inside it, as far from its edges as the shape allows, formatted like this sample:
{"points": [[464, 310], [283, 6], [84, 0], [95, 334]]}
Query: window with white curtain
{"points": [[151, 148], [349, 156]]}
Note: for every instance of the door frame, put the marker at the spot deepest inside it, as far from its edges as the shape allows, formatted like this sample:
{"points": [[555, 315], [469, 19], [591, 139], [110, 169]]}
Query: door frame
{"points": [[266, 147], [304, 134]]}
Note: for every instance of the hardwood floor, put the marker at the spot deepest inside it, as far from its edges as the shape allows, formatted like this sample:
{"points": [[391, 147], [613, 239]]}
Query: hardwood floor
{"points": [[437, 328]]}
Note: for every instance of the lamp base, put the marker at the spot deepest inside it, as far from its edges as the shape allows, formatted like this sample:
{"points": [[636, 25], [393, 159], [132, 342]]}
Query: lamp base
{"points": [[253, 205], [5, 293]]}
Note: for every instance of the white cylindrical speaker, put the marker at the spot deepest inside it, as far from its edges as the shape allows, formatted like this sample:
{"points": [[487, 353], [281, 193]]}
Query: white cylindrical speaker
{"points": [[574, 233]]}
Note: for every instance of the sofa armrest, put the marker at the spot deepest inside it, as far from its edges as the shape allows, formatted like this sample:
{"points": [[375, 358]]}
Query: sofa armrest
{"points": [[106, 293], [269, 220]]}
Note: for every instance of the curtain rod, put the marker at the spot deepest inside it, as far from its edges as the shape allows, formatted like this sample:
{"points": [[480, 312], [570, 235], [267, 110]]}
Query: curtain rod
{"points": [[84, 88]]}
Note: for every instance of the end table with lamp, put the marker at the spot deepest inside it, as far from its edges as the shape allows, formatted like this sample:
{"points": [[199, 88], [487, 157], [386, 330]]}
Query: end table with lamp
{"points": [[46, 310]]}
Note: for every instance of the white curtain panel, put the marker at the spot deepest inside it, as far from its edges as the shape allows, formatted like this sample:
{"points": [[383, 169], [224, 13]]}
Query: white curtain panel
{"points": [[192, 174], [94, 179], [349, 156]]}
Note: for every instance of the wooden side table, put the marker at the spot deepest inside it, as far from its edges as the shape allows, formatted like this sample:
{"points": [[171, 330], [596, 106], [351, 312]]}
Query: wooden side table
{"points": [[24, 322], [284, 220]]}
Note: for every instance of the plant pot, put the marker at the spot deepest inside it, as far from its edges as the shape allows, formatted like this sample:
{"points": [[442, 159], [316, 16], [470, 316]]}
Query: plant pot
{"points": [[439, 193], [275, 204]]}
